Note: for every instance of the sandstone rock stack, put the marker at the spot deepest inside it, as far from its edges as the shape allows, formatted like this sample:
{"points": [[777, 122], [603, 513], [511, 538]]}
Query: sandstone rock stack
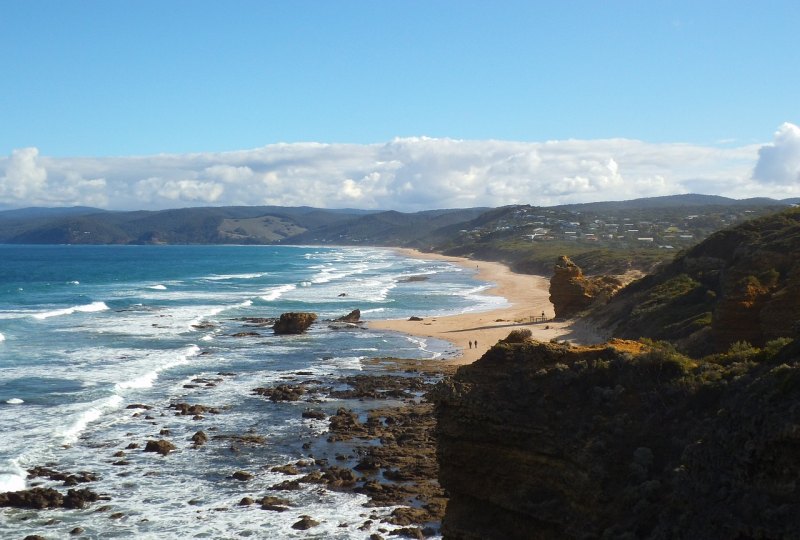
{"points": [[571, 292], [294, 322]]}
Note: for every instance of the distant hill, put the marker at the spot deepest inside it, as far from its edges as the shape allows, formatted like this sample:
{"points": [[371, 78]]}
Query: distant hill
{"points": [[674, 201], [502, 234], [222, 225], [740, 284]]}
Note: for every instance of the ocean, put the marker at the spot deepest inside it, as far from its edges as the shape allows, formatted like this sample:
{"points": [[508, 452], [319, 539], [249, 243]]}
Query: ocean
{"points": [[87, 331]]}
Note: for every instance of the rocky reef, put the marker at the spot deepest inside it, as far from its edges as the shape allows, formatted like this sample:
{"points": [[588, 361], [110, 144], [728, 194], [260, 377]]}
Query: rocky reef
{"points": [[294, 322], [571, 292], [621, 440]]}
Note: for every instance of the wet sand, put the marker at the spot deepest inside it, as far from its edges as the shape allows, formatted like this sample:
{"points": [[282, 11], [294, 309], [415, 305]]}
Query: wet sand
{"points": [[528, 296]]}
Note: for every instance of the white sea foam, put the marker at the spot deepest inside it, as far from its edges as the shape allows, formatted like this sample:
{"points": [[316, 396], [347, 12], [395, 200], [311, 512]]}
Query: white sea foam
{"points": [[14, 401], [75, 282], [146, 380], [98, 408], [2, 337], [158, 287], [88, 308], [224, 277], [273, 293], [12, 477]]}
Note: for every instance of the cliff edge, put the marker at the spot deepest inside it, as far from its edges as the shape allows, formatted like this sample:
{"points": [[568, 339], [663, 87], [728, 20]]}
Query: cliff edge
{"points": [[622, 440]]}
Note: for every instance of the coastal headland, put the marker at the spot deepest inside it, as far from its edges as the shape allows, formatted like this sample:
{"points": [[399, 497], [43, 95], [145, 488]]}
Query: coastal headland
{"points": [[528, 298]]}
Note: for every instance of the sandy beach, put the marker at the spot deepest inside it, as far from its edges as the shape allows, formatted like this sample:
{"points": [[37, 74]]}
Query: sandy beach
{"points": [[528, 296]]}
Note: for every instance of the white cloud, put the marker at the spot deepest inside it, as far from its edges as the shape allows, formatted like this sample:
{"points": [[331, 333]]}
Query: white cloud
{"points": [[406, 174], [24, 177], [779, 162]]}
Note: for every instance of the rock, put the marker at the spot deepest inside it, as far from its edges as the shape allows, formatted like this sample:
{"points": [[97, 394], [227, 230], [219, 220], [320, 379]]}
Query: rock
{"points": [[246, 501], [294, 322], [343, 326], [305, 523], [275, 504], [200, 438], [35, 537], [185, 409], [412, 279], [315, 414], [41, 498], [282, 392], [352, 317], [161, 447], [415, 318], [571, 292], [285, 469], [139, 406], [242, 476], [245, 334], [408, 532], [76, 531]]}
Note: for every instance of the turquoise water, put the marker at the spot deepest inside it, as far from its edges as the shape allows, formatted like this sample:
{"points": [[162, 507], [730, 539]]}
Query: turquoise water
{"points": [[87, 330]]}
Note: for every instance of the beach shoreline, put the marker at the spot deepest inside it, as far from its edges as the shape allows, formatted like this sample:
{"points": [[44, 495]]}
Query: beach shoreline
{"points": [[473, 333]]}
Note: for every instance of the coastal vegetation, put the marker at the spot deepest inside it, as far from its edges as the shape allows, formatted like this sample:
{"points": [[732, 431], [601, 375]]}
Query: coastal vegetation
{"points": [[686, 430]]}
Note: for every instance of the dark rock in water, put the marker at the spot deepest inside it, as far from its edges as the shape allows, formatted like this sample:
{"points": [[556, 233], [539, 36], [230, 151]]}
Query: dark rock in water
{"points": [[184, 409], [316, 414], [199, 438], [276, 504], [282, 392], [412, 279], [76, 531], [286, 485], [139, 406], [246, 334], [352, 317], [41, 498], [342, 294], [161, 447], [414, 318], [246, 501], [242, 476], [294, 322], [132, 446], [35, 537], [408, 532], [305, 523], [285, 469], [344, 326]]}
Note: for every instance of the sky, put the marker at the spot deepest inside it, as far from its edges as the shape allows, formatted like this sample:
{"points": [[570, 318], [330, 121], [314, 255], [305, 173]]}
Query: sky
{"points": [[404, 105]]}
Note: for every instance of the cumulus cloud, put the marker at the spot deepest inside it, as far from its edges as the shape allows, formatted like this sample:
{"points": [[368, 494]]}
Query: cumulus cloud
{"points": [[779, 162], [406, 174]]}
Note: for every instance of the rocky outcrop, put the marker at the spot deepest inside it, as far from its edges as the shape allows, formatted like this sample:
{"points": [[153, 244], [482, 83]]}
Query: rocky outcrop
{"points": [[352, 317], [41, 498], [571, 292], [539, 441], [294, 322]]}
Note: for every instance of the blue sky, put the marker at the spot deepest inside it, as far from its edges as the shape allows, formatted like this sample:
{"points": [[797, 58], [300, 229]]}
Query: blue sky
{"points": [[109, 79]]}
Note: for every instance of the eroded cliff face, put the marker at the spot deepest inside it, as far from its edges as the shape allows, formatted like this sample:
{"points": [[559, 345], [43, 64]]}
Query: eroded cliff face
{"points": [[540, 440], [571, 292]]}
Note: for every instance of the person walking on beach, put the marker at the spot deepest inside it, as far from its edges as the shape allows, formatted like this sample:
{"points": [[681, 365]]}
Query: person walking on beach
{"points": [[470, 344]]}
